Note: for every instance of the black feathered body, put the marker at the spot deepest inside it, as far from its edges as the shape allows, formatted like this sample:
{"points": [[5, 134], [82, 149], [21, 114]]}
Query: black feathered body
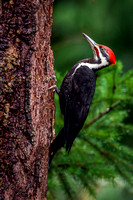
{"points": [[75, 95]]}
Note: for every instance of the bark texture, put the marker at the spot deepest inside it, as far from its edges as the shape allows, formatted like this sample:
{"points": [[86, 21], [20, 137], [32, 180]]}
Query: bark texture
{"points": [[26, 104]]}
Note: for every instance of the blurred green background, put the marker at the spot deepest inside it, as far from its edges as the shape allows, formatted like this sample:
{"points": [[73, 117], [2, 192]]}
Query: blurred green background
{"points": [[108, 22]]}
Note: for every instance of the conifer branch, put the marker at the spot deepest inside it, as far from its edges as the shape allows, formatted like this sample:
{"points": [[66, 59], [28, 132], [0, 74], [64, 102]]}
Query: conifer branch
{"points": [[101, 114], [124, 80]]}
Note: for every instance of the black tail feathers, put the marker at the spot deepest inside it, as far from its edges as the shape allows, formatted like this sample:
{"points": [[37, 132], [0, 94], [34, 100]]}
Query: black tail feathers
{"points": [[58, 142]]}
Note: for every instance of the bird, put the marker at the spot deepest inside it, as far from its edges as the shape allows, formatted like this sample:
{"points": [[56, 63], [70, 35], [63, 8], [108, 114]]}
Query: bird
{"points": [[76, 93]]}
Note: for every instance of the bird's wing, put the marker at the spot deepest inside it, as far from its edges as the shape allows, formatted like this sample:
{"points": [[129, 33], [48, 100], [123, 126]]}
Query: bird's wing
{"points": [[77, 103]]}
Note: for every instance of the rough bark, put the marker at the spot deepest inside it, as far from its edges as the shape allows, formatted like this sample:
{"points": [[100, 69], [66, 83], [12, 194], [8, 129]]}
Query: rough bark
{"points": [[26, 104]]}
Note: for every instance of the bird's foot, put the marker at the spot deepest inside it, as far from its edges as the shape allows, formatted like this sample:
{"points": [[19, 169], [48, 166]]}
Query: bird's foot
{"points": [[53, 76], [54, 88]]}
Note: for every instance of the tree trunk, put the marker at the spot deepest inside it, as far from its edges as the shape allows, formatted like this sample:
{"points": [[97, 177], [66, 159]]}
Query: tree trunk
{"points": [[26, 104]]}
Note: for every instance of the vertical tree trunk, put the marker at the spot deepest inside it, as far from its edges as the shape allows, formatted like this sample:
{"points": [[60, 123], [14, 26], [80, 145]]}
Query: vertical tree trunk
{"points": [[26, 104]]}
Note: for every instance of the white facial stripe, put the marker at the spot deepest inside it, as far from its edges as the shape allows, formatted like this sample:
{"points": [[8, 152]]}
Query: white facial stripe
{"points": [[104, 61]]}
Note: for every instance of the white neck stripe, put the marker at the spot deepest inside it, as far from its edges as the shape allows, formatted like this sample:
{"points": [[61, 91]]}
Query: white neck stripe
{"points": [[103, 63]]}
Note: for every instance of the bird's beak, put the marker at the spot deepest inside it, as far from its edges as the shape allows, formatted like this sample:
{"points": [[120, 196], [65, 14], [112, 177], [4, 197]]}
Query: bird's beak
{"points": [[93, 44]]}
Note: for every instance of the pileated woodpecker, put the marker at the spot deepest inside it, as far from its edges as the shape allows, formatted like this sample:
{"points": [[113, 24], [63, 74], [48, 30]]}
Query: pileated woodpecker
{"points": [[76, 93]]}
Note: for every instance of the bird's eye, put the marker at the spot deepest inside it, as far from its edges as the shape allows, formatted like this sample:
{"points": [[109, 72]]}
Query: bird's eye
{"points": [[102, 49]]}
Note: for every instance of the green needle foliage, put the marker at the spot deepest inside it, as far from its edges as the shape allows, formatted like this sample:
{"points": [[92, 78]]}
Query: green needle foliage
{"points": [[99, 151]]}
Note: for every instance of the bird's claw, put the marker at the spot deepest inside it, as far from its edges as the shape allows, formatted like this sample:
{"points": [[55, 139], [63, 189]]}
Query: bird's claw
{"points": [[53, 76], [52, 87]]}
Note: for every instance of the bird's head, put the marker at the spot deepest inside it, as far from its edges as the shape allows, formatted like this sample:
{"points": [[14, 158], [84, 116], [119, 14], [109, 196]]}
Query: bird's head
{"points": [[103, 55]]}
